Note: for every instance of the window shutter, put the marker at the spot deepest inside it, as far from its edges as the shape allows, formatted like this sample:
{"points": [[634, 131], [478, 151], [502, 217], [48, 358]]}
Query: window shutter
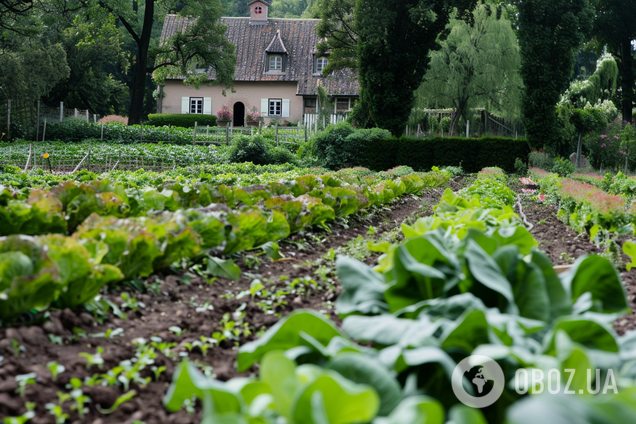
{"points": [[266, 63], [185, 105], [264, 107], [207, 105], [286, 108]]}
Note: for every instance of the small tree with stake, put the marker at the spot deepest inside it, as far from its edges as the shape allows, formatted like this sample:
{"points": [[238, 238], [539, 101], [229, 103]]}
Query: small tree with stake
{"points": [[586, 120]]}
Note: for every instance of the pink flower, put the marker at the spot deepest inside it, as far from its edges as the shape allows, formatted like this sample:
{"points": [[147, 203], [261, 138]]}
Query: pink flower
{"points": [[603, 136], [603, 145], [616, 137]]}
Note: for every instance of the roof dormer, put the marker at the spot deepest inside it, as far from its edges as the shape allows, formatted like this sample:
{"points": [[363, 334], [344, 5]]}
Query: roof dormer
{"points": [[258, 11], [276, 55]]}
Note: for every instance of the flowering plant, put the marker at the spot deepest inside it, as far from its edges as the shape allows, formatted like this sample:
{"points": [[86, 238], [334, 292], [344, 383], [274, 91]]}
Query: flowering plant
{"points": [[253, 114], [224, 114]]}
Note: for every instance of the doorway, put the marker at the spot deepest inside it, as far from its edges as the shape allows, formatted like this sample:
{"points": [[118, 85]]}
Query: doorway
{"points": [[239, 114]]}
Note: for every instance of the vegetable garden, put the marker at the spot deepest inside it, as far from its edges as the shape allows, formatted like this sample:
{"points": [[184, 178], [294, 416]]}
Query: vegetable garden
{"points": [[240, 293]]}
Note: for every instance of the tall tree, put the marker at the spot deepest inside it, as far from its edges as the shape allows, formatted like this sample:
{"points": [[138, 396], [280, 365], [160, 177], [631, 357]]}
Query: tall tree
{"points": [[338, 34], [201, 44], [394, 39], [550, 33], [615, 28], [477, 64]]}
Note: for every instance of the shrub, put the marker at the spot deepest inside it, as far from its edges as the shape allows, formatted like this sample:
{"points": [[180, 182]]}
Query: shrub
{"points": [[539, 159], [280, 156], [521, 168], [246, 149], [113, 119], [342, 146], [563, 167], [330, 146], [181, 120]]}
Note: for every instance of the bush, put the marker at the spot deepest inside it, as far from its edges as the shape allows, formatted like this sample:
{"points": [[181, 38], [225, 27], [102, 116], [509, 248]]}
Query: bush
{"points": [[330, 146], [180, 120], [521, 168], [246, 149], [421, 154], [341, 146], [539, 159], [280, 156], [563, 167], [113, 119]]}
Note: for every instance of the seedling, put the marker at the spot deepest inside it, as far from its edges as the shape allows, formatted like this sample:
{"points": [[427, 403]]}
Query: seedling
{"points": [[55, 339], [55, 369], [95, 359], [157, 371], [177, 330], [131, 303], [566, 257], [23, 381], [543, 221], [121, 399], [252, 261], [80, 400], [17, 347], [29, 414], [57, 412]]}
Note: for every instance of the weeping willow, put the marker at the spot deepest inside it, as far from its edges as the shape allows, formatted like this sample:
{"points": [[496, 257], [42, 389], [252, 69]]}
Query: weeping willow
{"points": [[476, 66]]}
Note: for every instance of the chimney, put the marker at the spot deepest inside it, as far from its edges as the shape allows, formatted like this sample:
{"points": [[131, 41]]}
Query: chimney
{"points": [[258, 11]]}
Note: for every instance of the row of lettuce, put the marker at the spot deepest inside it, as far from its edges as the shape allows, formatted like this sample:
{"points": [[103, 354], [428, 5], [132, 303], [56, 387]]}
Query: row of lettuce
{"points": [[466, 281], [589, 209], [121, 234]]}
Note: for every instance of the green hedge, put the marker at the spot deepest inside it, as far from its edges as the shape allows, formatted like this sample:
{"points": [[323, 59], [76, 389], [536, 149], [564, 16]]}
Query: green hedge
{"points": [[472, 154], [181, 120], [76, 130]]}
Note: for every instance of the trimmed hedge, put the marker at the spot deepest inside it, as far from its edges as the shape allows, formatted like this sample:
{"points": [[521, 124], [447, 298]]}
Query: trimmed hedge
{"points": [[180, 120], [421, 154]]}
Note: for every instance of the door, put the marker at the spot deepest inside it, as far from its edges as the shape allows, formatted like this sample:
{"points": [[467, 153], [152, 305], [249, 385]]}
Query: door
{"points": [[239, 114]]}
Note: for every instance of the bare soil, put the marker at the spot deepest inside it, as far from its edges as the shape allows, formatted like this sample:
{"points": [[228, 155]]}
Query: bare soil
{"points": [[172, 300]]}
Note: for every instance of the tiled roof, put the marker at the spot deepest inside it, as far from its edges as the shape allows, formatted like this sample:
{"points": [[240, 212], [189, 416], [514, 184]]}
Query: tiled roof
{"points": [[277, 45], [297, 37]]}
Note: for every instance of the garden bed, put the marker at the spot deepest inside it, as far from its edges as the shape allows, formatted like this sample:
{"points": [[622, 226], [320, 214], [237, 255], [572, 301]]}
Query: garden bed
{"points": [[196, 308]]}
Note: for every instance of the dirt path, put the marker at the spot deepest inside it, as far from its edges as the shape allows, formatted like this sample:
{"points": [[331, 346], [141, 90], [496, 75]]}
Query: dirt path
{"points": [[564, 245], [178, 312]]}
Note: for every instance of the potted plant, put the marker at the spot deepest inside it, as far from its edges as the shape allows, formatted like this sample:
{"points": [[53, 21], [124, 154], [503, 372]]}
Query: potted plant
{"points": [[253, 117], [223, 116]]}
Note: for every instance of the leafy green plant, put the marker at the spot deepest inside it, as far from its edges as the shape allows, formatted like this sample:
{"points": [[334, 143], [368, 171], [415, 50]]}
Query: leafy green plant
{"points": [[562, 166], [56, 369], [254, 149], [24, 380]]}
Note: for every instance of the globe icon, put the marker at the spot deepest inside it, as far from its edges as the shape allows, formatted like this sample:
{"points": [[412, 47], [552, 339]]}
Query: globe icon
{"points": [[481, 384]]}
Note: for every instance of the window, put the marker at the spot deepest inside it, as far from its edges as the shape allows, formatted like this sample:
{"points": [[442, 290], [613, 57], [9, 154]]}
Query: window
{"points": [[343, 104], [321, 63], [258, 10], [276, 63], [275, 107], [310, 105], [196, 104]]}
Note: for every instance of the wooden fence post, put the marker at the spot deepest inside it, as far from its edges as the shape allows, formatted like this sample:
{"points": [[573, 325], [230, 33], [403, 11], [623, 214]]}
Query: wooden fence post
{"points": [[276, 133], [37, 129], [194, 137], [8, 119], [61, 111], [227, 134], [44, 132]]}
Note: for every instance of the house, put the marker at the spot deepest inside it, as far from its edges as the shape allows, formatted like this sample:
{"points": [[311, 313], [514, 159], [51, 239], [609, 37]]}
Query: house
{"points": [[278, 70]]}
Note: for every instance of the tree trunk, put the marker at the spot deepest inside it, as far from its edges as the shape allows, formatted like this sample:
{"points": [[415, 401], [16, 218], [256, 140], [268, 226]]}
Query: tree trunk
{"points": [[578, 150], [138, 87], [626, 67]]}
